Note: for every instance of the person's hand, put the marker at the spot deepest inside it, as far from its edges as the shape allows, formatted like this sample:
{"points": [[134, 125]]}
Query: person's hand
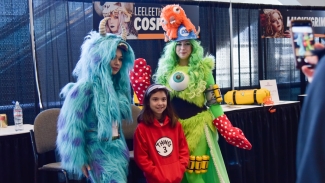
{"points": [[309, 72], [287, 34], [85, 170]]}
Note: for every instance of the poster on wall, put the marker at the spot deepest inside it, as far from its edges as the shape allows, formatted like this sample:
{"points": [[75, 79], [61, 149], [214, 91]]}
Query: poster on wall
{"points": [[141, 20], [276, 23]]}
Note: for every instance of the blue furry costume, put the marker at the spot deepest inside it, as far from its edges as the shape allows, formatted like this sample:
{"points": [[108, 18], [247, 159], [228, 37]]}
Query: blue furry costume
{"points": [[91, 105]]}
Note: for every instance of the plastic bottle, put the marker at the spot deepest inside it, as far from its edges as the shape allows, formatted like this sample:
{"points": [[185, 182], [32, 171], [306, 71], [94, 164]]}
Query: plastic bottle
{"points": [[18, 117]]}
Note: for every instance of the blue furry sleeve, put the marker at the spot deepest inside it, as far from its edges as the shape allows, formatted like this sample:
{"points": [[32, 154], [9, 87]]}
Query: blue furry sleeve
{"points": [[124, 106], [72, 126]]}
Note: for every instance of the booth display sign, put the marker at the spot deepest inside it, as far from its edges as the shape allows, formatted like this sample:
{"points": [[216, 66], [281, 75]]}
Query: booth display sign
{"points": [[272, 87], [276, 23], [141, 20]]}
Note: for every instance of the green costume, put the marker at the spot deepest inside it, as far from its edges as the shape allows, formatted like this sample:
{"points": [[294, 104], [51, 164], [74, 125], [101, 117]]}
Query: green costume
{"points": [[200, 133], [188, 84]]}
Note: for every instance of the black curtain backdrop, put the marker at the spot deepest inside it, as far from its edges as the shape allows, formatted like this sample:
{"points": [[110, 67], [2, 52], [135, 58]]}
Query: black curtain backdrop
{"points": [[60, 27], [17, 78], [273, 136]]}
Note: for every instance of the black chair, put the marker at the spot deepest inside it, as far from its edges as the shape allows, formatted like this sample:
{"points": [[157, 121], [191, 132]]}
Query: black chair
{"points": [[44, 140]]}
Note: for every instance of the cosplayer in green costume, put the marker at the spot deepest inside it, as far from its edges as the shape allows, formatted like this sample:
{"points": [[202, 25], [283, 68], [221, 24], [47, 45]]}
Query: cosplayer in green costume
{"points": [[188, 74], [198, 128], [188, 84]]}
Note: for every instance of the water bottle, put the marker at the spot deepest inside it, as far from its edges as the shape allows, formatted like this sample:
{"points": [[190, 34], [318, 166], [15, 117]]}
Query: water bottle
{"points": [[18, 117]]}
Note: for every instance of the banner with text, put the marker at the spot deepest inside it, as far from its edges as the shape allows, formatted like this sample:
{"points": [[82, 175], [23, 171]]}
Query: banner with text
{"points": [[141, 20], [276, 23]]}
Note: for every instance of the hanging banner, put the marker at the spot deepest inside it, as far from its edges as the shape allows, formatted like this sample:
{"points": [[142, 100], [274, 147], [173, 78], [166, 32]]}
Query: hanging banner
{"points": [[141, 20], [276, 23]]}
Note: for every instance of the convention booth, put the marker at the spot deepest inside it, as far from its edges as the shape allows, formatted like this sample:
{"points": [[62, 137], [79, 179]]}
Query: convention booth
{"points": [[16, 155], [273, 136], [272, 158], [35, 66]]}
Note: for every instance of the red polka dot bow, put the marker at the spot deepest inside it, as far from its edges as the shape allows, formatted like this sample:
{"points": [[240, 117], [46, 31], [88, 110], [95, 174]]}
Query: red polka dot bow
{"points": [[140, 77], [232, 135]]}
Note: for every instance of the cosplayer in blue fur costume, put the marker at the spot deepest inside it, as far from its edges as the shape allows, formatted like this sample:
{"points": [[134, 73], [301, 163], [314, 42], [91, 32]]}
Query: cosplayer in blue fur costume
{"points": [[94, 104]]}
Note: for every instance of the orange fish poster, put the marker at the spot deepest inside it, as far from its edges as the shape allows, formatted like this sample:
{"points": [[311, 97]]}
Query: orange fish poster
{"points": [[140, 20]]}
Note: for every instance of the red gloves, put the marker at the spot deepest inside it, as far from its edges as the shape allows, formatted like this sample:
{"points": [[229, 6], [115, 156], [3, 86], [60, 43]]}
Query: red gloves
{"points": [[232, 134], [140, 77]]}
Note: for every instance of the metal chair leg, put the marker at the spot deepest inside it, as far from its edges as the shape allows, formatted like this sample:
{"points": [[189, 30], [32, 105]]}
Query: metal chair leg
{"points": [[65, 176]]}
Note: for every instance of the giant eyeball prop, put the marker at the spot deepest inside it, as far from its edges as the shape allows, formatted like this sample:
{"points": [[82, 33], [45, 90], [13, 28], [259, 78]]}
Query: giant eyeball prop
{"points": [[179, 81]]}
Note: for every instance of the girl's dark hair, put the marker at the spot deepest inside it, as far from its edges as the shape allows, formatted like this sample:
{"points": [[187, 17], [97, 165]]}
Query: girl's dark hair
{"points": [[147, 116]]}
